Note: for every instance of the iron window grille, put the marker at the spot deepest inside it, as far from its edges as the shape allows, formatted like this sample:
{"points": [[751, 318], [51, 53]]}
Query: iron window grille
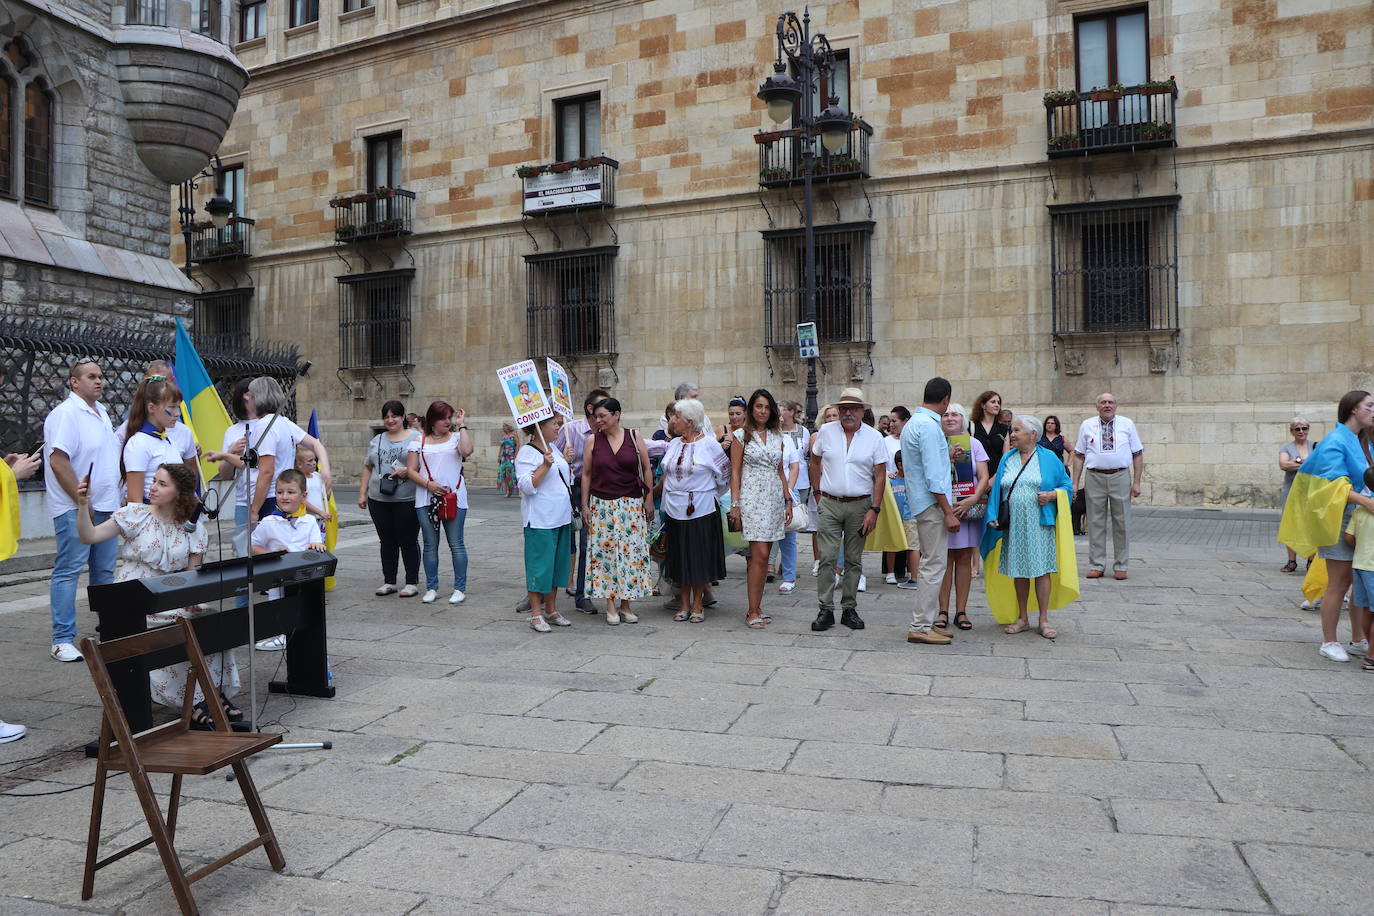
{"points": [[570, 302], [1114, 266], [375, 319], [222, 322], [844, 284]]}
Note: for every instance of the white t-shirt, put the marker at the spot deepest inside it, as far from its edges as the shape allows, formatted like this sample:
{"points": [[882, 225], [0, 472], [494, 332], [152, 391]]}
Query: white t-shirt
{"points": [[179, 433], [231, 435], [84, 433], [847, 468], [549, 505], [800, 439], [279, 441], [277, 532], [1099, 454], [314, 494], [445, 466], [146, 453]]}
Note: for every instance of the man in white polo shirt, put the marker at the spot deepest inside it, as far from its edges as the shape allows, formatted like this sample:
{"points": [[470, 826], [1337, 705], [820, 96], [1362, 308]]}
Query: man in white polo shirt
{"points": [[78, 440], [849, 466], [1109, 448]]}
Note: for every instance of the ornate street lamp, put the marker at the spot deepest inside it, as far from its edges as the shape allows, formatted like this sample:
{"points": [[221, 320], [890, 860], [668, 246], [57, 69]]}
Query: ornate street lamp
{"points": [[811, 59], [219, 207]]}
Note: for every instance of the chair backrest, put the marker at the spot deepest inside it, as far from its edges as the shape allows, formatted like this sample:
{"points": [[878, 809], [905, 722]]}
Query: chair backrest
{"points": [[99, 656]]}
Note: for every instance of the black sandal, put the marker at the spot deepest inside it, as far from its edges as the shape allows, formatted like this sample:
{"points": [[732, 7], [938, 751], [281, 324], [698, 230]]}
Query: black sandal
{"points": [[942, 620], [233, 713], [1367, 664], [200, 718], [961, 621], [1290, 566]]}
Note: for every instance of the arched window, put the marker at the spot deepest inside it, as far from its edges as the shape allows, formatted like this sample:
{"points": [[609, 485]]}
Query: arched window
{"points": [[7, 87], [38, 143]]}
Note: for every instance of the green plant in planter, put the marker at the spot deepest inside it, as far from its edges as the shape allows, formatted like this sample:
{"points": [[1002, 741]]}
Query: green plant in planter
{"points": [[1064, 141], [1156, 131], [774, 173], [1059, 97], [345, 232], [1151, 87], [528, 171], [840, 164]]}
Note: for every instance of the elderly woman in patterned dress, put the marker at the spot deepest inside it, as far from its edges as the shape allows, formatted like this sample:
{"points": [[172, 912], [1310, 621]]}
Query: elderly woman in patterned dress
{"points": [[760, 498], [1025, 482]]}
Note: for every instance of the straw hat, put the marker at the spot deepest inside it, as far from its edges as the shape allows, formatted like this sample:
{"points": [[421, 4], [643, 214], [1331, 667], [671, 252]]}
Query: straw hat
{"points": [[852, 396]]}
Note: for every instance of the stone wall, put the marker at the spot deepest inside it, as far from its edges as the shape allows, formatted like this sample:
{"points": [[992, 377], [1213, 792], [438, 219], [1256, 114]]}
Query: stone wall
{"points": [[1274, 129]]}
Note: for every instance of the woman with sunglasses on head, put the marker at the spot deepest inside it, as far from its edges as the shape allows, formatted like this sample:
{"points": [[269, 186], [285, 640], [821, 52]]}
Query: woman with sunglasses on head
{"points": [[1291, 457], [695, 472], [761, 497]]}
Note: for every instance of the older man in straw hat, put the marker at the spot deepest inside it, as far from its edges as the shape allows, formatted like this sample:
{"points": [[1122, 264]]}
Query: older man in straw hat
{"points": [[849, 461]]}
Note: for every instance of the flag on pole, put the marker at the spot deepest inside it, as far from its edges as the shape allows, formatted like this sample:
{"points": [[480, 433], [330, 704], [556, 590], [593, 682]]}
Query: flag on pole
{"points": [[331, 527], [201, 407]]}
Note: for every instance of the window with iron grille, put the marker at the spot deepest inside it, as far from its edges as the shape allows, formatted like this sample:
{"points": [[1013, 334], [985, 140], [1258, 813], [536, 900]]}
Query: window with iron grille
{"points": [[252, 19], [577, 128], [570, 302], [1114, 266], [844, 284], [222, 322], [375, 319]]}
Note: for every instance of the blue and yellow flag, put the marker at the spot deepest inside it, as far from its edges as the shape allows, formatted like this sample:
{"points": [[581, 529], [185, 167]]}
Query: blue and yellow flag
{"points": [[201, 407], [1064, 588], [9, 512], [331, 527], [1317, 500]]}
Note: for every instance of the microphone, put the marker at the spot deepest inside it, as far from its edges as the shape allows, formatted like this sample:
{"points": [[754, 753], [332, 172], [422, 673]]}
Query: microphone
{"points": [[189, 526]]}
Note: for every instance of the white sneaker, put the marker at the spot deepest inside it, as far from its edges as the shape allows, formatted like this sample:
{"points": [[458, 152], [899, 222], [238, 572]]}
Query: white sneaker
{"points": [[1334, 651], [11, 732], [271, 644], [628, 617], [890, 578], [429, 596], [786, 588], [1307, 606], [65, 652], [457, 596], [863, 583], [410, 591], [815, 569], [1362, 646]]}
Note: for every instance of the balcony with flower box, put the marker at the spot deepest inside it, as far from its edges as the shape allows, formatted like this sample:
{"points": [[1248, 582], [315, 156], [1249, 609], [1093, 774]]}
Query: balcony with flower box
{"points": [[234, 241], [781, 162], [381, 213], [1111, 119], [577, 184]]}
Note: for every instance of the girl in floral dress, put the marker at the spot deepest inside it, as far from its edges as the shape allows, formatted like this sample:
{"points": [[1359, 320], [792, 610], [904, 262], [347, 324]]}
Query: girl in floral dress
{"points": [[505, 467], [153, 542]]}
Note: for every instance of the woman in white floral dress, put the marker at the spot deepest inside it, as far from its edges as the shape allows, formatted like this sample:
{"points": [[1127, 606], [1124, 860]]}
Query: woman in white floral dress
{"points": [[154, 543], [761, 501]]}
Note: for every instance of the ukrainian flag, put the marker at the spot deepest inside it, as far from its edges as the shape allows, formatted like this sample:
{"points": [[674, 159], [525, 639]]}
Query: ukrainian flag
{"points": [[9, 512], [1317, 500], [1064, 588], [201, 408], [331, 527]]}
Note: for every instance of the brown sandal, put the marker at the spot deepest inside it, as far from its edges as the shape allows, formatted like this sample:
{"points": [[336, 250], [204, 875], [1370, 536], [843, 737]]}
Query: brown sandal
{"points": [[1019, 626]]}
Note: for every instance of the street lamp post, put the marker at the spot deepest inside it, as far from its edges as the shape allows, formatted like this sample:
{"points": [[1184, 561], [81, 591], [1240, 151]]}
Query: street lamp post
{"points": [[812, 58], [218, 206]]}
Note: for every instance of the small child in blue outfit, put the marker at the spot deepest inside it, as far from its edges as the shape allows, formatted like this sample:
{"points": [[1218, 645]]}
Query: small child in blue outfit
{"points": [[913, 554], [1359, 534]]}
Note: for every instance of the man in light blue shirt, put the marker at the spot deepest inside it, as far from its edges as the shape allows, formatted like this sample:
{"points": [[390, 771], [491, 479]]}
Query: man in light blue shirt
{"points": [[925, 458]]}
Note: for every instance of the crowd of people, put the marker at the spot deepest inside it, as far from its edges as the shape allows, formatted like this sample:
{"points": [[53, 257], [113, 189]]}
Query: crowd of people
{"points": [[615, 518]]}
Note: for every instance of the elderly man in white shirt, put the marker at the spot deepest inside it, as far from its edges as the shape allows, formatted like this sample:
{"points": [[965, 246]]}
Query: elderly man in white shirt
{"points": [[849, 468], [1108, 446], [79, 441]]}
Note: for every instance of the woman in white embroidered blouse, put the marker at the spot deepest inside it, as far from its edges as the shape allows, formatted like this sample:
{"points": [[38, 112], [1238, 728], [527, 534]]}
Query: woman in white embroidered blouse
{"points": [[695, 472]]}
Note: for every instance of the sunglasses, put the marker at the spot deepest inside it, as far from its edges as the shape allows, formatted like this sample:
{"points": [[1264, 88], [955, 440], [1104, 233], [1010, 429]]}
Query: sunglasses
{"points": [[1299, 429], [738, 402]]}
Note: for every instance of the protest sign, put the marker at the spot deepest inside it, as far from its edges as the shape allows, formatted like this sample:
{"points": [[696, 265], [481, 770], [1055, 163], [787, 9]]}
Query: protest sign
{"points": [[560, 389], [524, 392]]}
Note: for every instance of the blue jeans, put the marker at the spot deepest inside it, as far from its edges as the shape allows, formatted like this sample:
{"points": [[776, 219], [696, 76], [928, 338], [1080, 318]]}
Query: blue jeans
{"points": [[787, 561], [72, 557], [453, 531]]}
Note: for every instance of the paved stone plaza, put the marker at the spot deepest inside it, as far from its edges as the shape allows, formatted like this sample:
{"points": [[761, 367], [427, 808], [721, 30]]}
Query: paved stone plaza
{"points": [[1180, 746]]}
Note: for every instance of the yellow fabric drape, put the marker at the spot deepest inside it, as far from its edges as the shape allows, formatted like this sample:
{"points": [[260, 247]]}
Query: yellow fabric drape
{"points": [[888, 534], [331, 534], [1312, 515], [1314, 583], [1064, 588], [9, 512]]}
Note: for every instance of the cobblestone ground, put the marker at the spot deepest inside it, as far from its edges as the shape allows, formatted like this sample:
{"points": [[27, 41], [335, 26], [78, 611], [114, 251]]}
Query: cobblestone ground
{"points": [[1180, 746]]}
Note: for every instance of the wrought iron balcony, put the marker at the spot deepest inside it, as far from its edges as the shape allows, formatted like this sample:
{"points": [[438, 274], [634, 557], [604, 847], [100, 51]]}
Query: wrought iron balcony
{"points": [[377, 214], [781, 162], [1110, 120], [234, 241], [579, 184]]}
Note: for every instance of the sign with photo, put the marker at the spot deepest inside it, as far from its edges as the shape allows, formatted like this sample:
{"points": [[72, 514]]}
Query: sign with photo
{"points": [[963, 474], [524, 392], [560, 389]]}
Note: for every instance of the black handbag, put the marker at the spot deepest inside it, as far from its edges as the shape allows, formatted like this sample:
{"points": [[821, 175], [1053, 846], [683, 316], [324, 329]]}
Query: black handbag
{"points": [[1004, 504], [387, 485]]}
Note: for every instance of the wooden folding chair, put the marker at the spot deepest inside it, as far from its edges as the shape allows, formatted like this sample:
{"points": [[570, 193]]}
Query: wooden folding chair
{"points": [[170, 748]]}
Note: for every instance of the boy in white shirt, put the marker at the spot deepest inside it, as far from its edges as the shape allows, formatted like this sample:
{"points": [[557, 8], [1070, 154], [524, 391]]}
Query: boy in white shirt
{"points": [[287, 528], [316, 500]]}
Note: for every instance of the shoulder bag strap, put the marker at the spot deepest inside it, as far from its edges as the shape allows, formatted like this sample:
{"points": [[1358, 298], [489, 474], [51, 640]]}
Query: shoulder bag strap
{"points": [[1025, 464]]}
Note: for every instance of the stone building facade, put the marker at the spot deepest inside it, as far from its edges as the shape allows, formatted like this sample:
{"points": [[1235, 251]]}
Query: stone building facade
{"points": [[1200, 246]]}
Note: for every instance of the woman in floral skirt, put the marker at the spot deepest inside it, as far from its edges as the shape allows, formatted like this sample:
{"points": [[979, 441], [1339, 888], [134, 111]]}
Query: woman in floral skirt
{"points": [[617, 501], [505, 466]]}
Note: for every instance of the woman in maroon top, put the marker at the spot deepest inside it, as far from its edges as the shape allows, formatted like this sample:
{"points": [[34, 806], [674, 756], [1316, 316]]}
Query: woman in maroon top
{"points": [[617, 503]]}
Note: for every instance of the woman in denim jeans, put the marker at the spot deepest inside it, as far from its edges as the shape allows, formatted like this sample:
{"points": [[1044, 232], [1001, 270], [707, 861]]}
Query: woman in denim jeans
{"points": [[435, 463]]}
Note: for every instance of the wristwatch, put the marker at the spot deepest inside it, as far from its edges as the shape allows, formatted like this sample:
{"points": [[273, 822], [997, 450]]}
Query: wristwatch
{"points": [[875, 509]]}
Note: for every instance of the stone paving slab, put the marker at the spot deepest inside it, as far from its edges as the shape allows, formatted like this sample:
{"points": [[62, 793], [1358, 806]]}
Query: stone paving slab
{"points": [[811, 793], [806, 896], [1052, 739], [1304, 879], [640, 709], [745, 752], [1106, 778], [433, 863], [814, 722], [997, 806], [519, 764], [1243, 822], [898, 765]]}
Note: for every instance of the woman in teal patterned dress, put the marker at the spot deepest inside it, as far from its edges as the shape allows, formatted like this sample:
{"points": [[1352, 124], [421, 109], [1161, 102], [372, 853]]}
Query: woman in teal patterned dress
{"points": [[1026, 480], [505, 467]]}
